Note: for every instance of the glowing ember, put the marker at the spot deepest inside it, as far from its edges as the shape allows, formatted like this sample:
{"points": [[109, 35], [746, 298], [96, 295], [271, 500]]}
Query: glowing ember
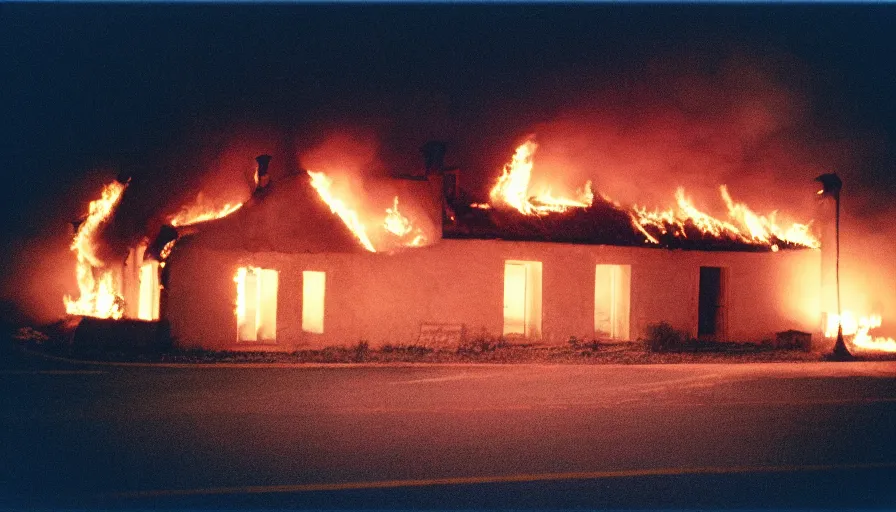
{"points": [[166, 250], [512, 187], [98, 297], [202, 211], [401, 226], [323, 185], [859, 328]]}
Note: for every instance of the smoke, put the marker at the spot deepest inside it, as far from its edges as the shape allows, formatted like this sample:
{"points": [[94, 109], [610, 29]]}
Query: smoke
{"points": [[750, 123], [755, 123]]}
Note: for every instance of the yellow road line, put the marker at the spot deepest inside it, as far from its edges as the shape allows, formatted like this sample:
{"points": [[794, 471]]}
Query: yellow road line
{"points": [[472, 480]]}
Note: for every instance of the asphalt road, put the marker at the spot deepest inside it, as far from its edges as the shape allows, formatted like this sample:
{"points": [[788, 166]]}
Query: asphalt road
{"points": [[446, 437]]}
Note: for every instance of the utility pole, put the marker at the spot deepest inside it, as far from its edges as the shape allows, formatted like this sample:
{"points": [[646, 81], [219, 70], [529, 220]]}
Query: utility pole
{"points": [[830, 187]]}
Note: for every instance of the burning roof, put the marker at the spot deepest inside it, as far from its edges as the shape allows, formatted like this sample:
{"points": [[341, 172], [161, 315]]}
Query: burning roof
{"points": [[516, 212]]}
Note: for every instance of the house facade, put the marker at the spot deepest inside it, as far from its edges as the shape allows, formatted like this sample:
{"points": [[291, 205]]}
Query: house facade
{"points": [[284, 274]]}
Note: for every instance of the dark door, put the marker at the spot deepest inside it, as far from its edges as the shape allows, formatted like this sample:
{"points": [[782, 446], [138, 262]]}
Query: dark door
{"points": [[709, 323]]}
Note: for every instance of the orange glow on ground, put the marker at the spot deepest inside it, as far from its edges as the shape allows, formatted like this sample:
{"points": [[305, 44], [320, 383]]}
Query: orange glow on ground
{"points": [[859, 328]]}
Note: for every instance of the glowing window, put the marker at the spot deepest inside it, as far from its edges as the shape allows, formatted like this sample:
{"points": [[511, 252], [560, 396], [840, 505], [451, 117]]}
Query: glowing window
{"points": [[522, 298], [612, 296], [148, 301], [313, 291], [256, 304]]}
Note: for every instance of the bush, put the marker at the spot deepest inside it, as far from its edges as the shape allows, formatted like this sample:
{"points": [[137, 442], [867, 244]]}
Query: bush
{"points": [[583, 344], [406, 349], [480, 344], [362, 351], [662, 337]]}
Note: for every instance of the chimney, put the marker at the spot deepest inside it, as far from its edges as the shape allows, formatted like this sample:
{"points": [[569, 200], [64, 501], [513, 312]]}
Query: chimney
{"points": [[434, 156], [157, 247], [262, 179]]}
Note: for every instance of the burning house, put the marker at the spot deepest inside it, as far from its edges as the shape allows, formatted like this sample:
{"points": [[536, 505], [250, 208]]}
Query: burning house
{"points": [[303, 264]]}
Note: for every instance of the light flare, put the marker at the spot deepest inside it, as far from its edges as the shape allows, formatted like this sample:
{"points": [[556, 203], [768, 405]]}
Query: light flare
{"points": [[97, 291]]}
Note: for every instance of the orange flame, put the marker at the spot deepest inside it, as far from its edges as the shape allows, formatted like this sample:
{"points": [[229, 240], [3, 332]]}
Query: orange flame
{"points": [[97, 291], [763, 228], [512, 187], [201, 211], [859, 328], [401, 226], [746, 226], [323, 185]]}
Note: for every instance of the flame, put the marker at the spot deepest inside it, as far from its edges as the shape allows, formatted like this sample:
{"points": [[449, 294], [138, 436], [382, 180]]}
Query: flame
{"points": [[166, 250], [859, 328], [401, 226], [323, 185], [201, 211], [97, 290], [745, 226], [764, 228], [512, 187], [395, 222]]}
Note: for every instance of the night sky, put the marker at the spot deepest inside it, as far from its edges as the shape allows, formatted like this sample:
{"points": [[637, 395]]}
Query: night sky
{"points": [[161, 91]]}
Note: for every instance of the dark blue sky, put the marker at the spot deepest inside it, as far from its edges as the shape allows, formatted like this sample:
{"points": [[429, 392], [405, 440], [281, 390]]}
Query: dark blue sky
{"points": [[124, 87]]}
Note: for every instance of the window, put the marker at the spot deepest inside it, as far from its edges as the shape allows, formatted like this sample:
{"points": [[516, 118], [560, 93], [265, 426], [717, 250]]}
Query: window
{"points": [[612, 296], [148, 301], [522, 298], [313, 291], [256, 304]]}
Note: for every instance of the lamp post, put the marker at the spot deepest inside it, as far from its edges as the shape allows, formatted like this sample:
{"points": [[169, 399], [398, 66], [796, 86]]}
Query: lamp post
{"points": [[830, 187]]}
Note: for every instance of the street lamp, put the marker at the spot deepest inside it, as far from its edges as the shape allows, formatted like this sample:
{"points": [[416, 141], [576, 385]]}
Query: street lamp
{"points": [[830, 187]]}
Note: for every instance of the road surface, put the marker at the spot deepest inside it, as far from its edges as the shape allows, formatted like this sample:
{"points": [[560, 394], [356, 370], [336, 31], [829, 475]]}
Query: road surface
{"points": [[446, 437]]}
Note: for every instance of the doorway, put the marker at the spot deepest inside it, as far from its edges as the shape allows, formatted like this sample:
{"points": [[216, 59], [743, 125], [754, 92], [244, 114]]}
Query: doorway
{"points": [[711, 308]]}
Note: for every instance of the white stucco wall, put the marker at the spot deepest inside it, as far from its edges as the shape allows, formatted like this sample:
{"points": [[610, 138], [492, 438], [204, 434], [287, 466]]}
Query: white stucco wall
{"points": [[384, 298]]}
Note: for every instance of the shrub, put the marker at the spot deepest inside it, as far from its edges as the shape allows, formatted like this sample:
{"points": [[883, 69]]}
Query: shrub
{"points": [[480, 344], [583, 344], [362, 350], [662, 337], [406, 349]]}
